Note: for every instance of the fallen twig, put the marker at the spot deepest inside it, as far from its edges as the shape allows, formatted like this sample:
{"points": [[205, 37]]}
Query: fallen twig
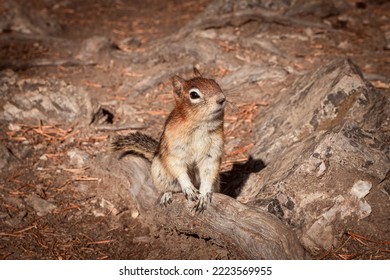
{"points": [[118, 128], [17, 233], [100, 242], [87, 179]]}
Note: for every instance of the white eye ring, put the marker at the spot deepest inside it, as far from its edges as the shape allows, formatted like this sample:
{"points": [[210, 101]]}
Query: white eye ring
{"points": [[196, 95]]}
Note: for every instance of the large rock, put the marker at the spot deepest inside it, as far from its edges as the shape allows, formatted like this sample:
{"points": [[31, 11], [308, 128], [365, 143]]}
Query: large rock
{"points": [[325, 143], [49, 100]]}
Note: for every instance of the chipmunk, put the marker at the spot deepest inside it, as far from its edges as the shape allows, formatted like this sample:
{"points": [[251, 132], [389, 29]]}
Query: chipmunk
{"points": [[188, 156]]}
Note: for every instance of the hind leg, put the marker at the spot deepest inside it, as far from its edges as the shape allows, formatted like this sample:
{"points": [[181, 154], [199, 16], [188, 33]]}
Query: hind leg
{"points": [[164, 182]]}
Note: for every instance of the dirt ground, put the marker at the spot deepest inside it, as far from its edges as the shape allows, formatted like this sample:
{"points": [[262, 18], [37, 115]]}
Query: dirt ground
{"points": [[79, 227]]}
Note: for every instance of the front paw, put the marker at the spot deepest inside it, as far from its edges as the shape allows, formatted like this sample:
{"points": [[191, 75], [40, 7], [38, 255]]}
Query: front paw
{"points": [[191, 193], [166, 199], [203, 202]]}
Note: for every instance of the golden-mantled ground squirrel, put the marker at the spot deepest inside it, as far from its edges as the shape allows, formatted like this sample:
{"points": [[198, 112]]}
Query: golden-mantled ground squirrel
{"points": [[188, 156]]}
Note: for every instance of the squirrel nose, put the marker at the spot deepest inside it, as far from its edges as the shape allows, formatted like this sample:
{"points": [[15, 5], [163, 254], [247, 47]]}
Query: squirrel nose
{"points": [[221, 100]]}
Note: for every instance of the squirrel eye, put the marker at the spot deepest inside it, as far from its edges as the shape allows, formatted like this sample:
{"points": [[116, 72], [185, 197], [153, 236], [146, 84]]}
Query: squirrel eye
{"points": [[194, 94]]}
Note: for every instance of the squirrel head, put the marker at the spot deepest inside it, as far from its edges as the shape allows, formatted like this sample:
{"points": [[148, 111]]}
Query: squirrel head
{"points": [[199, 97]]}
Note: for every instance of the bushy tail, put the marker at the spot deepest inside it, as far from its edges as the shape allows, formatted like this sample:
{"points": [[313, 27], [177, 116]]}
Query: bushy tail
{"points": [[136, 143]]}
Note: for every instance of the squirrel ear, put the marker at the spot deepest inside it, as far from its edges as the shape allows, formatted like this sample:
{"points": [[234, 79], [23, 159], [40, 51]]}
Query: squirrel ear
{"points": [[197, 73], [177, 83]]}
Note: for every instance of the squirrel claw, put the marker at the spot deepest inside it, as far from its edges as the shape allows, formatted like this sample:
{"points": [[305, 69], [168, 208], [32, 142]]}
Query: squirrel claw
{"points": [[166, 199], [191, 194], [201, 205]]}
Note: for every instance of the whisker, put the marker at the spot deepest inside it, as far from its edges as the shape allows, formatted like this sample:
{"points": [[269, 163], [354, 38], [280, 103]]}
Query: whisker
{"points": [[232, 105], [231, 90]]}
